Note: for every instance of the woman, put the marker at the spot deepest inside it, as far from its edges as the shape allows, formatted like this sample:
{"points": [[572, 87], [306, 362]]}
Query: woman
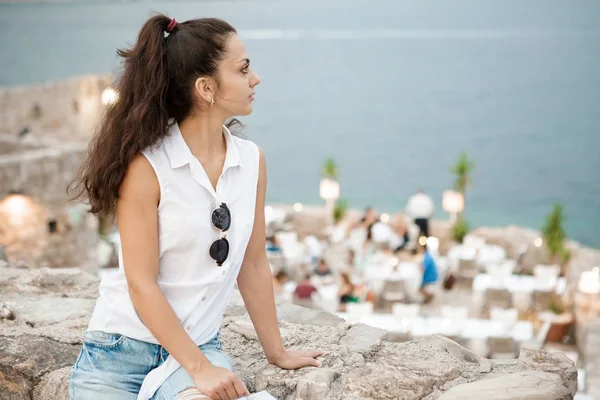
{"points": [[189, 200]]}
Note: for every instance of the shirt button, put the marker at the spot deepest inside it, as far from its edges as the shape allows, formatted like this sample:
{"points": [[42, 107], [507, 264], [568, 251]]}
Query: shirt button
{"points": [[214, 205], [189, 328], [204, 298], [224, 273]]}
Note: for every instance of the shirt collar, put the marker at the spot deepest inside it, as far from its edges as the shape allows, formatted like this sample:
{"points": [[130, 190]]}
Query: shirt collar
{"points": [[180, 154]]}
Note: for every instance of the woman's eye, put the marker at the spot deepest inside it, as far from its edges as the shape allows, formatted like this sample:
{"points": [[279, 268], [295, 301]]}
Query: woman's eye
{"points": [[245, 70]]}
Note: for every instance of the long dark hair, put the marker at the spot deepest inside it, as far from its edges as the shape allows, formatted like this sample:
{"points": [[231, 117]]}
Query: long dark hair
{"points": [[155, 85]]}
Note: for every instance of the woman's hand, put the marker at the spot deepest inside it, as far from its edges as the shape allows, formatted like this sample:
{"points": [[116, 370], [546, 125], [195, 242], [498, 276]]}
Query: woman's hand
{"points": [[219, 383], [294, 359]]}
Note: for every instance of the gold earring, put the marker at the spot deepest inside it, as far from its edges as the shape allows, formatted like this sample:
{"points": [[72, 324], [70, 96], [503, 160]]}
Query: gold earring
{"points": [[212, 102]]}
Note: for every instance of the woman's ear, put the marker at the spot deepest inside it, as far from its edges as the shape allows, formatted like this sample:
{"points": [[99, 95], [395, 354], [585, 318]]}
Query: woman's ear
{"points": [[204, 88]]}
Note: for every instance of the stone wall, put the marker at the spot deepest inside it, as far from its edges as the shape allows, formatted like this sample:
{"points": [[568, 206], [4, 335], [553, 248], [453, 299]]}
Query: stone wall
{"points": [[41, 227], [46, 311], [592, 358], [66, 109]]}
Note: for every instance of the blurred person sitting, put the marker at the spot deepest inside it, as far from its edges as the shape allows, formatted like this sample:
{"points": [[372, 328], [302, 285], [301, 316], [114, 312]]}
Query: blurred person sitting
{"points": [[384, 258], [349, 292], [361, 240], [273, 244], [305, 289], [400, 228], [279, 280], [420, 208], [322, 274], [312, 248], [367, 221]]}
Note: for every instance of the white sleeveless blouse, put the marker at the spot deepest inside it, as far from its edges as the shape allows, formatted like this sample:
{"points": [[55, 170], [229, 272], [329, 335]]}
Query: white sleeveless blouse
{"points": [[196, 288]]}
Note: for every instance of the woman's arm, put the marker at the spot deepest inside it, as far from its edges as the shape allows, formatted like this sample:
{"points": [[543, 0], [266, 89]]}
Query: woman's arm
{"points": [[255, 283], [255, 280], [138, 227]]}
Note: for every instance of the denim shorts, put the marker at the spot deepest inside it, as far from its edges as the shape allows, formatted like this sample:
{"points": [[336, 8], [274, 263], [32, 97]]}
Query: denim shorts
{"points": [[112, 366]]}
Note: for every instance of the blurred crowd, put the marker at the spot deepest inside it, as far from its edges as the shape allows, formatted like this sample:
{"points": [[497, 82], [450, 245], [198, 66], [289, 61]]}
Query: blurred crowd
{"points": [[353, 261]]}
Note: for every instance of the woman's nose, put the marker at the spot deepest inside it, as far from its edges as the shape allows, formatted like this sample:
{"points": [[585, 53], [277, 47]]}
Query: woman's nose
{"points": [[256, 80]]}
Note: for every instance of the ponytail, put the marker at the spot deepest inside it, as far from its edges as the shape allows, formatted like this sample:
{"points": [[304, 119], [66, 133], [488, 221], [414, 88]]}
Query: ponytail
{"points": [[156, 84]]}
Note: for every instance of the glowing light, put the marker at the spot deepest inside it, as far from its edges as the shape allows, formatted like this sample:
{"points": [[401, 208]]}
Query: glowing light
{"points": [[433, 244], [589, 282], [385, 218], [422, 240], [394, 261], [16, 207], [298, 207], [538, 242], [453, 202], [329, 189], [109, 96]]}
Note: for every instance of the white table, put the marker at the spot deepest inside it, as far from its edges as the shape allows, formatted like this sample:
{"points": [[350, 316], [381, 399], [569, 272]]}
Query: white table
{"points": [[469, 328], [408, 272], [518, 283], [486, 254]]}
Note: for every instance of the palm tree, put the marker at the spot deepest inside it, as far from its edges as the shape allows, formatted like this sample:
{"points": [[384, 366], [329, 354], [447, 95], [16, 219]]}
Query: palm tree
{"points": [[555, 236], [462, 170], [330, 169], [329, 189]]}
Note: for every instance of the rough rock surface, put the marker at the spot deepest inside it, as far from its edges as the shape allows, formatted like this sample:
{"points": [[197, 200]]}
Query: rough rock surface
{"points": [[52, 306]]}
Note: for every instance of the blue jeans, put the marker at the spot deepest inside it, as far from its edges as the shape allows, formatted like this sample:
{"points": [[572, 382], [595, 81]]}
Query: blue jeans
{"points": [[112, 366]]}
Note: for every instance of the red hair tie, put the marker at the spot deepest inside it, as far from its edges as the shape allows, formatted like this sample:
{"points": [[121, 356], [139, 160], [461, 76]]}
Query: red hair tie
{"points": [[171, 25]]}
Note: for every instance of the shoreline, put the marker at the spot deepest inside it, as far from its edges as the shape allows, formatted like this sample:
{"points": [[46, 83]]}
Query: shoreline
{"points": [[356, 212]]}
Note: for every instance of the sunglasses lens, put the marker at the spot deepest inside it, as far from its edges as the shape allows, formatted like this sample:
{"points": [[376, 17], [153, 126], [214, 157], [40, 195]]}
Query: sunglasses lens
{"points": [[221, 218], [219, 251]]}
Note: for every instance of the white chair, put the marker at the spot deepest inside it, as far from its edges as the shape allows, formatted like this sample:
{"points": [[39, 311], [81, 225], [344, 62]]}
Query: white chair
{"points": [[501, 270], [473, 241], [500, 298], [454, 313], [545, 271], [393, 290], [357, 310], [546, 276], [292, 250], [401, 311], [541, 299], [540, 338], [522, 301], [467, 270], [325, 303], [508, 316]]}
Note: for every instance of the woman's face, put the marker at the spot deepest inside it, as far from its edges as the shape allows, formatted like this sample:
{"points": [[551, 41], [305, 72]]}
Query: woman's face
{"points": [[237, 80]]}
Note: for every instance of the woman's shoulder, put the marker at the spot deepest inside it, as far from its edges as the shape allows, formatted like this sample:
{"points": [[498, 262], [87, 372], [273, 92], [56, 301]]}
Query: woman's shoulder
{"points": [[244, 144], [140, 178], [249, 151]]}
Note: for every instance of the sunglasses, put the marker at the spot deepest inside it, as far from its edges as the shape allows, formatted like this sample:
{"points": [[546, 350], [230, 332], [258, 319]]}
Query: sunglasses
{"points": [[221, 219]]}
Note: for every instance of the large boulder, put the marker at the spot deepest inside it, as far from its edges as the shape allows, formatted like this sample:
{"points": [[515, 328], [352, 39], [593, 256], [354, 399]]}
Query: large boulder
{"points": [[51, 307]]}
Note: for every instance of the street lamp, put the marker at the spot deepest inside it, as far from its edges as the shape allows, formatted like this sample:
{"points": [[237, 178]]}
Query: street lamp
{"points": [[453, 202], [589, 286], [329, 191], [589, 282]]}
